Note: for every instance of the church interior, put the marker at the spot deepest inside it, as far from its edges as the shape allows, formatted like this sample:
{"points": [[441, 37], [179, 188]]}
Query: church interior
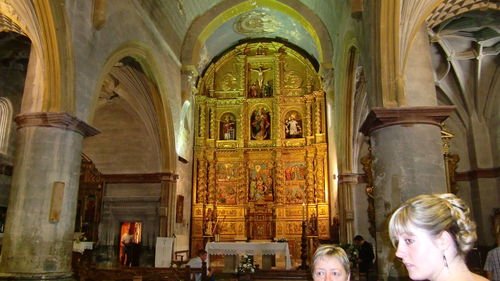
{"points": [[238, 121]]}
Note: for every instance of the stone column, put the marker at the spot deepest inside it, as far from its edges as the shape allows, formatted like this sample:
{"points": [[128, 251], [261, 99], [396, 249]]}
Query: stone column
{"points": [[408, 160], [346, 214], [167, 204], [38, 238]]}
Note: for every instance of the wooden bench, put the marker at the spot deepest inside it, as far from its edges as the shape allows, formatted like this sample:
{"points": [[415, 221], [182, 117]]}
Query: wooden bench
{"points": [[92, 273], [283, 275]]}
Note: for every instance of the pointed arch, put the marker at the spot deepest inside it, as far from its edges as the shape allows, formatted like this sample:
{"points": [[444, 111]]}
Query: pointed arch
{"points": [[5, 123], [163, 117], [51, 60]]}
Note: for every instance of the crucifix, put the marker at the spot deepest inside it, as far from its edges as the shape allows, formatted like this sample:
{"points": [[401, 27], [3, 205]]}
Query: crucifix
{"points": [[260, 72]]}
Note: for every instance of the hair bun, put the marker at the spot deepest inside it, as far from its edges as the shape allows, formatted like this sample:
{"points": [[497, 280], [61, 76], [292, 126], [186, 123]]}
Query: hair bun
{"points": [[464, 227]]}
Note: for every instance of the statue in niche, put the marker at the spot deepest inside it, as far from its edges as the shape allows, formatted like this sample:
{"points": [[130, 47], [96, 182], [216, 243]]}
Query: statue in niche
{"points": [[260, 75], [260, 123], [257, 88], [209, 222], [254, 91], [313, 225], [227, 127], [268, 89], [293, 126]]}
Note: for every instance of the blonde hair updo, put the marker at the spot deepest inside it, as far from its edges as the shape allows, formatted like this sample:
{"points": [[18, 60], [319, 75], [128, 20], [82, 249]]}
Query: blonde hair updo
{"points": [[435, 213]]}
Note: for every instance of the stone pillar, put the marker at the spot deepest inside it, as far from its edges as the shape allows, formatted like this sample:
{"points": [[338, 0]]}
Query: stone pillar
{"points": [[167, 204], [346, 213], [408, 160], [38, 238]]}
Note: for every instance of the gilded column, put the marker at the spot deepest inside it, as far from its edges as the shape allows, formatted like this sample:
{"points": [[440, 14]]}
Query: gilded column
{"points": [[280, 179], [38, 238], [310, 175], [211, 177], [201, 119], [201, 184], [309, 117], [320, 174], [318, 114], [211, 123]]}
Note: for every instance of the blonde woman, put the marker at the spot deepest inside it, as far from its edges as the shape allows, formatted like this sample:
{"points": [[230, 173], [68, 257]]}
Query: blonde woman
{"points": [[432, 234], [330, 263]]}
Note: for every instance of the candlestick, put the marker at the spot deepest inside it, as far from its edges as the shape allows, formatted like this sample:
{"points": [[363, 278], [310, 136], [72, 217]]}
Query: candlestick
{"points": [[303, 211]]}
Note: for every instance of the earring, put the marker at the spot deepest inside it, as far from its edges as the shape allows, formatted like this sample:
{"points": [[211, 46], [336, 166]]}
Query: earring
{"points": [[445, 262]]}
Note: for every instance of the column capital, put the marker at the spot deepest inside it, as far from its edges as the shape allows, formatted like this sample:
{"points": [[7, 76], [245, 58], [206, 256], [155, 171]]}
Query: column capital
{"points": [[351, 178], [381, 117], [61, 120]]}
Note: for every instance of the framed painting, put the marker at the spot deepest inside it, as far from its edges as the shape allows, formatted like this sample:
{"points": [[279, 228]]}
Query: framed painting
{"points": [[179, 209]]}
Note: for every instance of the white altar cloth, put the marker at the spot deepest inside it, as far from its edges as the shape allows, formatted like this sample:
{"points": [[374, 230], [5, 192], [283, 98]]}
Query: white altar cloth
{"points": [[250, 248], [80, 246]]}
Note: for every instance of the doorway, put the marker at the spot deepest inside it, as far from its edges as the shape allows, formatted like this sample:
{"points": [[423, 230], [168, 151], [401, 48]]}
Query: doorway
{"points": [[130, 240]]}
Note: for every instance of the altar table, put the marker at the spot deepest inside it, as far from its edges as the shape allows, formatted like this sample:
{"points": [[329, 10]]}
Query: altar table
{"points": [[249, 248]]}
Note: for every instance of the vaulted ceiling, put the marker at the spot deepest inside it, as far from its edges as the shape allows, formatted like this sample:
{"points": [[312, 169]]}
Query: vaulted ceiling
{"points": [[224, 23]]}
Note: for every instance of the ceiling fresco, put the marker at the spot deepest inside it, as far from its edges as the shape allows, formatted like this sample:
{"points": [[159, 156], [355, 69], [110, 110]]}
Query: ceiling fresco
{"points": [[261, 22]]}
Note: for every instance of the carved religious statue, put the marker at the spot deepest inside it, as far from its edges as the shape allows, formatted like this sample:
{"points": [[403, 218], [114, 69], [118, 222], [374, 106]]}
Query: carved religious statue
{"points": [[313, 225], [293, 127], [209, 222], [228, 128]]}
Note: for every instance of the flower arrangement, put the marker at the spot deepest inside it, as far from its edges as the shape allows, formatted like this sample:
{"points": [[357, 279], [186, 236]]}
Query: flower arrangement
{"points": [[351, 251], [246, 264]]}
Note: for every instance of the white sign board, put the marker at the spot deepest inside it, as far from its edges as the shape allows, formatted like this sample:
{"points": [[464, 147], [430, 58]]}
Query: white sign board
{"points": [[164, 247]]}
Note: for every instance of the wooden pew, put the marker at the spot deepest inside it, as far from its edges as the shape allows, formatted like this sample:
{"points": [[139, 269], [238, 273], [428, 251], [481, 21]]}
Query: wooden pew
{"points": [[283, 275], [92, 273]]}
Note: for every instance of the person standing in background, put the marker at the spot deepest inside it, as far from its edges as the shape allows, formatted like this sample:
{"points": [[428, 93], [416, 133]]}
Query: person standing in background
{"points": [[128, 243], [492, 264], [365, 256]]}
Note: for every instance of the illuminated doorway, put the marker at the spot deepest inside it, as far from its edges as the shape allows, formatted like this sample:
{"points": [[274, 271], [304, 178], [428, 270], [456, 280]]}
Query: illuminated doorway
{"points": [[130, 239]]}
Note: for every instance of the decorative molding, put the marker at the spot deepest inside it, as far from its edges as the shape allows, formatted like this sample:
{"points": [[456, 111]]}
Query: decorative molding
{"points": [[351, 178], [478, 174], [140, 178], [61, 120], [384, 117]]}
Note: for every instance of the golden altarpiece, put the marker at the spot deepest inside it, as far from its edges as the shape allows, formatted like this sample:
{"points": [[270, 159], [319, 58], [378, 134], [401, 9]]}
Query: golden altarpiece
{"points": [[260, 148]]}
